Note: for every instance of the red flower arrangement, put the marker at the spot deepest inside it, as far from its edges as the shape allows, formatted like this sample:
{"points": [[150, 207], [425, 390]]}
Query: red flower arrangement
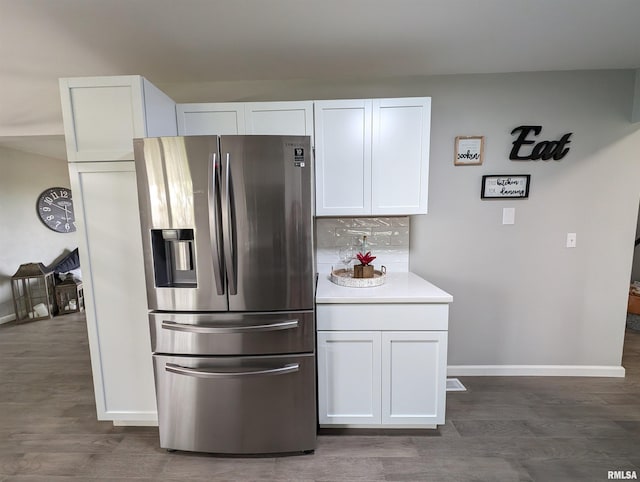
{"points": [[365, 259]]}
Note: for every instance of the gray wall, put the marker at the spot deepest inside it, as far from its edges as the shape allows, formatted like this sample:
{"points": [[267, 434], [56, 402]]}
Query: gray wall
{"points": [[635, 270], [23, 237], [520, 296]]}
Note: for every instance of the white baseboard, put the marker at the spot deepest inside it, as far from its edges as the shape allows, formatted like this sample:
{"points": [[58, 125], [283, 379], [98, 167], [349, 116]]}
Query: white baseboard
{"points": [[535, 371], [7, 318], [135, 423]]}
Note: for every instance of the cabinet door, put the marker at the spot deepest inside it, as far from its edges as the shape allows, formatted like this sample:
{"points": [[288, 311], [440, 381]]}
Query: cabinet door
{"points": [[279, 118], [105, 197], [348, 377], [414, 373], [102, 116], [210, 119], [343, 157], [400, 156]]}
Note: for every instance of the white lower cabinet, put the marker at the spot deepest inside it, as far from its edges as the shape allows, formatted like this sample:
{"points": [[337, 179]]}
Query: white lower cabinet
{"points": [[110, 248], [349, 377], [414, 366], [388, 372], [382, 378]]}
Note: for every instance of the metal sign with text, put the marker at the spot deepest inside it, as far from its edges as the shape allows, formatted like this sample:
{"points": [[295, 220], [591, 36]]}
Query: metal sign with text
{"points": [[542, 150]]}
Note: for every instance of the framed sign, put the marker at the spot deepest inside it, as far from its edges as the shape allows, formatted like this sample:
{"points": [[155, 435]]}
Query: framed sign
{"points": [[469, 151], [505, 186]]}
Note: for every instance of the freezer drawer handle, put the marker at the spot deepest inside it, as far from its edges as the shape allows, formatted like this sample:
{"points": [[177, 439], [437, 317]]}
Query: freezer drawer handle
{"points": [[210, 373], [281, 325]]}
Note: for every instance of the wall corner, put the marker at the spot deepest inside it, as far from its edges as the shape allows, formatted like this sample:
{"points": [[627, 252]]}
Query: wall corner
{"points": [[635, 111]]}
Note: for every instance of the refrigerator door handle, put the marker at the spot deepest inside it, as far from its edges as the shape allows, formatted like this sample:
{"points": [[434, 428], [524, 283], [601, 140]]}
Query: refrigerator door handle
{"points": [[229, 231], [215, 227], [281, 325], [211, 373]]}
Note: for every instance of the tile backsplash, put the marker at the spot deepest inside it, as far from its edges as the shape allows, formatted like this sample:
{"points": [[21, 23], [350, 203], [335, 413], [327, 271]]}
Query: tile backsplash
{"points": [[387, 239]]}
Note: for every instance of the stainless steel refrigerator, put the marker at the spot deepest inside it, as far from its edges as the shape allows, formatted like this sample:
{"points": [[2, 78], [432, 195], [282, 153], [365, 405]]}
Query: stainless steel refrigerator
{"points": [[227, 232]]}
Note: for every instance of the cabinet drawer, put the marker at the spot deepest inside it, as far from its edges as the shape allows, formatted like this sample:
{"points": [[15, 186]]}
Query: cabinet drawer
{"points": [[232, 333], [238, 405], [383, 316]]}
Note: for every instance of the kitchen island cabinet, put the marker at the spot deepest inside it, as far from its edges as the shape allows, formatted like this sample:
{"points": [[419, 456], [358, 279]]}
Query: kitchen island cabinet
{"points": [[382, 354]]}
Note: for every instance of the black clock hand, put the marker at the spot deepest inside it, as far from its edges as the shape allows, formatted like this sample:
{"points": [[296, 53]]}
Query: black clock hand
{"points": [[60, 207], [66, 211]]}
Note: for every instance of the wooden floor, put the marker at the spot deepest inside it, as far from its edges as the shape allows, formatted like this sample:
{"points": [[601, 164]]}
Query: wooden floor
{"points": [[501, 429]]}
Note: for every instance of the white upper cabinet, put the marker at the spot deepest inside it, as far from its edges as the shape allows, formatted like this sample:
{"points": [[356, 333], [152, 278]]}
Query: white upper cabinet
{"points": [[102, 116], [264, 118], [343, 157], [372, 156], [279, 118], [225, 118], [400, 156]]}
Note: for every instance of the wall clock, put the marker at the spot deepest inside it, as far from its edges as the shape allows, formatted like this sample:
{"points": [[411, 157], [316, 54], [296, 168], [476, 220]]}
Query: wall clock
{"points": [[55, 209]]}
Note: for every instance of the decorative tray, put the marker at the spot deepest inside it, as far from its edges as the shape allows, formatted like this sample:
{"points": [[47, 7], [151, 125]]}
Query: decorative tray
{"points": [[342, 277]]}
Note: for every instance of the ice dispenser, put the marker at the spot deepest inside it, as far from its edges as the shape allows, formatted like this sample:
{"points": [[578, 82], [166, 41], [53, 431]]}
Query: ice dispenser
{"points": [[173, 258]]}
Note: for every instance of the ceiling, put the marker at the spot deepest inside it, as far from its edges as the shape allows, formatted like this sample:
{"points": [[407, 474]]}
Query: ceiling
{"points": [[173, 41]]}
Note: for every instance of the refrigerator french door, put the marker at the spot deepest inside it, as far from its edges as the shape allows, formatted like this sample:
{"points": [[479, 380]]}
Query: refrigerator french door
{"points": [[227, 232]]}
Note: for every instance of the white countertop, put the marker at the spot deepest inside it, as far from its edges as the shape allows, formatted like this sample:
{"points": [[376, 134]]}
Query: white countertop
{"points": [[398, 288]]}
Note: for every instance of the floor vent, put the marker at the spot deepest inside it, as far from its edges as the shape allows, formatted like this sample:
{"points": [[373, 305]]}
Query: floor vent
{"points": [[455, 385]]}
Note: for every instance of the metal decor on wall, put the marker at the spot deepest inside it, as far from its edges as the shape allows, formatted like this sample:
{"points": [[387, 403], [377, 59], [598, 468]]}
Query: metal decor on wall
{"points": [[543, 150]]}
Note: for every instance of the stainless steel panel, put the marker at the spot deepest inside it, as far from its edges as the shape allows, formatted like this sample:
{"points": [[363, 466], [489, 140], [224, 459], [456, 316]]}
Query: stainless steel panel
{"points": [[232, 405], [176, 188], [270, 216], [232, 333]]}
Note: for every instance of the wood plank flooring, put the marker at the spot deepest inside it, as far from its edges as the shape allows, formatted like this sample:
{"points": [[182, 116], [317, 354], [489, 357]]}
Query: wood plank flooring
{"points": [[502, 429]]}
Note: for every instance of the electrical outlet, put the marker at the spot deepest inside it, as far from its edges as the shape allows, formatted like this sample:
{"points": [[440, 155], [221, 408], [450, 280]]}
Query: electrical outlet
{"points": [[508, 215], [571, 240]]}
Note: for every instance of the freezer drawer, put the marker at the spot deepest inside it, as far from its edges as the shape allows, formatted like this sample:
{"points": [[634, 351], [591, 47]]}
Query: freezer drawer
{"points": [[232, 333], [236, 405]]}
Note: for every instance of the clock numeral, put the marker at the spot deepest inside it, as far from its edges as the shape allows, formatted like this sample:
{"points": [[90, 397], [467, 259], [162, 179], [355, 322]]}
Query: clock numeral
{"points": [[58, 223], [67, 227], [50, 217], [64, 194], [48, 200], [46, 209], [54, 195]]}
